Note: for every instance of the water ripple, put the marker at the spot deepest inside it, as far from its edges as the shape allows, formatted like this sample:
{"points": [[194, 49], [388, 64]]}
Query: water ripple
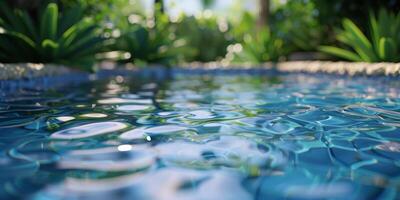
{"points": [[204, 137]]}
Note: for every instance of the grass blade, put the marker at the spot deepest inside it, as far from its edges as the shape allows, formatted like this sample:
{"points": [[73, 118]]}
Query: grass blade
{"points": [[387, 49], [342, 53], [49, 22]]}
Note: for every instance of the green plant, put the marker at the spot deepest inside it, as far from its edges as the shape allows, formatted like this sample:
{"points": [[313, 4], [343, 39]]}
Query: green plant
{"points": [[54, 37], [258, 47], [240, 25], [331, 13], [151, 42], [206, 35], [147, 45], [296, 21], [383, 43]]}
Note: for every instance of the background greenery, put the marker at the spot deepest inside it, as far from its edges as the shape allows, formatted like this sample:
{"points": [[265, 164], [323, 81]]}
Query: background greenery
{"points": [[80, 33]]}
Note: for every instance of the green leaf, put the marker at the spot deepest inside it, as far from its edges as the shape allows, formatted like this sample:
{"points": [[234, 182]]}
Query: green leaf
{"points": [[342, 53], [354, 30], [88, 47], [50, 50], [374, 30], [359, 41], [49, 22], [387, 49], [23, 38], [76, 34], [49, 44], [82, 39]]}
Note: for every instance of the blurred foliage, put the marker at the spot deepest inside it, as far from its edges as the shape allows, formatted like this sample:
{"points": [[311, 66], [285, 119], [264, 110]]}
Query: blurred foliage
{"points": [[381, 44], [331, 12], [54, 37], [110, 14], [30, 31], [293, 26], [242, 26], [207, 36], [159, 40], [257, 47], [207, 3], [151, 42], [296, 22], [97, 9]]}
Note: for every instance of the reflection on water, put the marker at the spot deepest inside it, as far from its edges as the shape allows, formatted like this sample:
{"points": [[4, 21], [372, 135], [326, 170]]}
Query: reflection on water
{"points": [[203, 137]]}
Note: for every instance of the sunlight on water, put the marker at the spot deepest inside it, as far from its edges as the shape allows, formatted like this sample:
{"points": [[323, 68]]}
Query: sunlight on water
{"points": [[204, 137]]}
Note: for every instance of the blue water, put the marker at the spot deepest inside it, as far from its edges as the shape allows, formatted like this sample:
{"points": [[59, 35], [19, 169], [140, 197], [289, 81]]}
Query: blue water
{"points": [[203, 137]]}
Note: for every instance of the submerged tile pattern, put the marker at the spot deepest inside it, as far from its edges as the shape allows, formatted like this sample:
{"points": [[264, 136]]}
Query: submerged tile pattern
{"points": [[204, 137]]}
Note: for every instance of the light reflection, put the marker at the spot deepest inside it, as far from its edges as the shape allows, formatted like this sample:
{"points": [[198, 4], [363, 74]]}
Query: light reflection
{"points": [[93, 115], [65, 118], [125, 147], [148, 138]]}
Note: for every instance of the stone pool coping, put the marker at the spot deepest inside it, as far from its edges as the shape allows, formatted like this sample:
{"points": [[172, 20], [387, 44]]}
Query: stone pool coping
{"points": [[328, 67], [342, 68], [30, 70], [15, 77], [26, 71]]}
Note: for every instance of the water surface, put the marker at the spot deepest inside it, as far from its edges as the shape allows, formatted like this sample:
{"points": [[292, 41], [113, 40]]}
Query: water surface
{"points": [[203, 137]]}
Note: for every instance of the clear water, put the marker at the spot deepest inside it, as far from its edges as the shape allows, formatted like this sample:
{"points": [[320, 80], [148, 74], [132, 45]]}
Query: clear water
{"points": [[204, 137]]}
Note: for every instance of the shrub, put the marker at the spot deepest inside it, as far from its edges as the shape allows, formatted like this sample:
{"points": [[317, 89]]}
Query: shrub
{"points": [[331, 13], [258, 47], [382, 44], [151, 42], [296, 21], [206, 35], [54, 37]]}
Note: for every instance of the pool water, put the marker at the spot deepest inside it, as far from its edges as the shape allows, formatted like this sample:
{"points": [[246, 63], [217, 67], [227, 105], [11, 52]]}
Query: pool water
{"points": [[203, 137]]}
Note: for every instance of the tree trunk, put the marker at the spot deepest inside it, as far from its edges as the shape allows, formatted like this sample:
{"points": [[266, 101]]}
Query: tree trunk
{"points": [[263, 13]]}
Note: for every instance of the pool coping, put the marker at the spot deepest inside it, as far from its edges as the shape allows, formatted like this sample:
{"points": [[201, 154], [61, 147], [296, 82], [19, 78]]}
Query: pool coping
{"points": [[328, 67], [31, 70], [43, 76]]}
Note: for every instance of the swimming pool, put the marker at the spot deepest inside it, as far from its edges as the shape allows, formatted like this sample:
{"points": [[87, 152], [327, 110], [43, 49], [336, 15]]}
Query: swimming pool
{"points": [[294, 136]]}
